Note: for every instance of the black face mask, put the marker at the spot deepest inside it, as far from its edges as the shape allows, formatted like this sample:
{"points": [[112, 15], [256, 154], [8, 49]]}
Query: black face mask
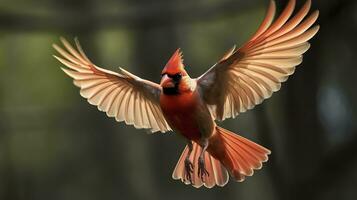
{"points": [[172, 90], [176, 78]]}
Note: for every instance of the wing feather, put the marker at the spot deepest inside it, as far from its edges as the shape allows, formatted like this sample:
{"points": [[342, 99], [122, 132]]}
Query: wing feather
{"points": [[292, 23], [122, 95], [281, 20], [104, 97], [245, 77], [268, 19]]}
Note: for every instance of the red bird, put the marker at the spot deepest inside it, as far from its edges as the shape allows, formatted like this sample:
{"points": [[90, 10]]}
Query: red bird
{"points": [[241, 79]]}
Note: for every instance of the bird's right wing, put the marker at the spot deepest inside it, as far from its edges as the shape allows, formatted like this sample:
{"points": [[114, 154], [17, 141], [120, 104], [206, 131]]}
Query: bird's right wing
{"points": [[121, 95]]}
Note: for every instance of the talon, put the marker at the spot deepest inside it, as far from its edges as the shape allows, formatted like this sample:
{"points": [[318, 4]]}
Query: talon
{"points": [[202, 172], [188, 170]]}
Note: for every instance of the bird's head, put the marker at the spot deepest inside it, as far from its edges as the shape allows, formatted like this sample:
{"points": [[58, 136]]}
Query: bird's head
{"points": [[173, 73]]}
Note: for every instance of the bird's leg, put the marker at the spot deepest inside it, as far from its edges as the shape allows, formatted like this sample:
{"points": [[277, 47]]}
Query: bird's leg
{"points": [[188, 163], [201, 161]]}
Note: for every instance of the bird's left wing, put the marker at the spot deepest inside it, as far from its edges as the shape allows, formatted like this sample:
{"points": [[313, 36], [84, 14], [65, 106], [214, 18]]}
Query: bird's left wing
{"points": [[121, 95], [245, 77]]}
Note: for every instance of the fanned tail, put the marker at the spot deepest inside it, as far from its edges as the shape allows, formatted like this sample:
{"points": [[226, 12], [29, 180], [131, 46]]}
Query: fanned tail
{"points": [[227, 153], [242, 156], [218, 175]]}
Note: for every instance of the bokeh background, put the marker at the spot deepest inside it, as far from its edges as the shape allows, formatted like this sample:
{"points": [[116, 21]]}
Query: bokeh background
{"points": [[54, 145]]}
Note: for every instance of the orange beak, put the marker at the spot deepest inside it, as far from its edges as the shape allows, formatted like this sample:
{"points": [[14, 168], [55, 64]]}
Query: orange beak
{"points": [[166, 82]]}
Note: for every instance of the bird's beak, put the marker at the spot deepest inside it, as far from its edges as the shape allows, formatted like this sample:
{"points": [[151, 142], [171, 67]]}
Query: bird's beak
{"points": [[166, 82]]}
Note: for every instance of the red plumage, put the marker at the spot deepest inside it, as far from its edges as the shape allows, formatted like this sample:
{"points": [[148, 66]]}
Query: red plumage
{"points": [[175, 64]]}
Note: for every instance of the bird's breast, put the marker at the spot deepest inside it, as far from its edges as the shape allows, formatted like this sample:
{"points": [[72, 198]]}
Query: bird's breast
{"points": [[181, 112]]}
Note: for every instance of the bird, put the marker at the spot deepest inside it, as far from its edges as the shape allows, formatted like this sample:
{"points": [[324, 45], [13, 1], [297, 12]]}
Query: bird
{"points": [[192, 107]]}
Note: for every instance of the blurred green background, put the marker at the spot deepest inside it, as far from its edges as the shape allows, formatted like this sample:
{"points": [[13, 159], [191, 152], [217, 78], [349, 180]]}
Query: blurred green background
{"points": [[54, 145]]}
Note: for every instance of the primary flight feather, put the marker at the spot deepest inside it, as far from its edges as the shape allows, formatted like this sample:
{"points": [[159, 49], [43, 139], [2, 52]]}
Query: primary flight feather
{"points": [[241, 79]]}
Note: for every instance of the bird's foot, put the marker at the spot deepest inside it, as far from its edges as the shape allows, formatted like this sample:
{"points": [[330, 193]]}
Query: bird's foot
{"points": [[202, 172], [188, 170]]}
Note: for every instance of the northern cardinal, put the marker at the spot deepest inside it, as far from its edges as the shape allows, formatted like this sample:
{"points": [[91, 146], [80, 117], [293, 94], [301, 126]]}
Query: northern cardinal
{"points": [[241, 79]]}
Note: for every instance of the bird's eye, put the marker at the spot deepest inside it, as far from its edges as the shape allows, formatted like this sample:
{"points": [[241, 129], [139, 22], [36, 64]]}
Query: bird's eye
{"points": [[176, 77]]}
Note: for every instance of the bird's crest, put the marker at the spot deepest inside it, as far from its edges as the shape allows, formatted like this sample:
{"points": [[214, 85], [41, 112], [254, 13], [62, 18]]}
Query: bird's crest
{"points": [[175, 64]]}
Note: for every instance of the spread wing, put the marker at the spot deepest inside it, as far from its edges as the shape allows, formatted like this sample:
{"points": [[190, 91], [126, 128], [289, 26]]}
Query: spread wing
{"points": [[245, 77], [121, 95]]}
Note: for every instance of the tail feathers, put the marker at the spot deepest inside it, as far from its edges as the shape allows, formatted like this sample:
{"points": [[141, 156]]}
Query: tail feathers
{"points": [[218, 175], [235, 155], [242, 155]]}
